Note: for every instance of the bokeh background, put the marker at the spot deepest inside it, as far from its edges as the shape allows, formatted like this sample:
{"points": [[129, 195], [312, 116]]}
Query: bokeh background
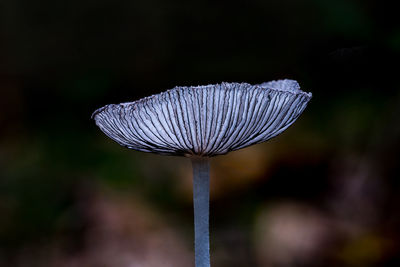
{"points": [[324, 193]]}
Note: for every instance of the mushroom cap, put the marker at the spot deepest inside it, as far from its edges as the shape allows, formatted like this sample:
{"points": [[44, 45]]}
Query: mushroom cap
{"points": [[205, 120]]}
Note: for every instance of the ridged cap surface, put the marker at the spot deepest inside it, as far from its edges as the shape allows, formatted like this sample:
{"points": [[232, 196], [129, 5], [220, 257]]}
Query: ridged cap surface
{"points": [[204, 120]]}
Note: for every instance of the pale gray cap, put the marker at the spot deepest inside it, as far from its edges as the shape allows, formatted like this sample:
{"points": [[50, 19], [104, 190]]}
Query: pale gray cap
{"points": [[205, 120]]}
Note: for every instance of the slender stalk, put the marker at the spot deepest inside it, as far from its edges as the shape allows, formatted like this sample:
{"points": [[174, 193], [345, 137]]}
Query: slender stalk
{"points": [[201, 198]]}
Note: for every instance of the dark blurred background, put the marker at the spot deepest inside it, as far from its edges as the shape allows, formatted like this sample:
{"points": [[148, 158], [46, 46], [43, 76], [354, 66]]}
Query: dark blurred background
{"points": [[324, 193]]}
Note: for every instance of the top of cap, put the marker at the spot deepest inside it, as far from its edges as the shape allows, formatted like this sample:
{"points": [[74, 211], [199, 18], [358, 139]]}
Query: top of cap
{"points": [[204, 120]]}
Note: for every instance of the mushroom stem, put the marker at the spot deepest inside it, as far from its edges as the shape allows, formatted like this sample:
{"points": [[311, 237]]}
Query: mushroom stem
{"points": [[201, 197]]}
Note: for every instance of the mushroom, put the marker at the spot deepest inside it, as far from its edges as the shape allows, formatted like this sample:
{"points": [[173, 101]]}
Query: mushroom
{"points": [[200, 122]]}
